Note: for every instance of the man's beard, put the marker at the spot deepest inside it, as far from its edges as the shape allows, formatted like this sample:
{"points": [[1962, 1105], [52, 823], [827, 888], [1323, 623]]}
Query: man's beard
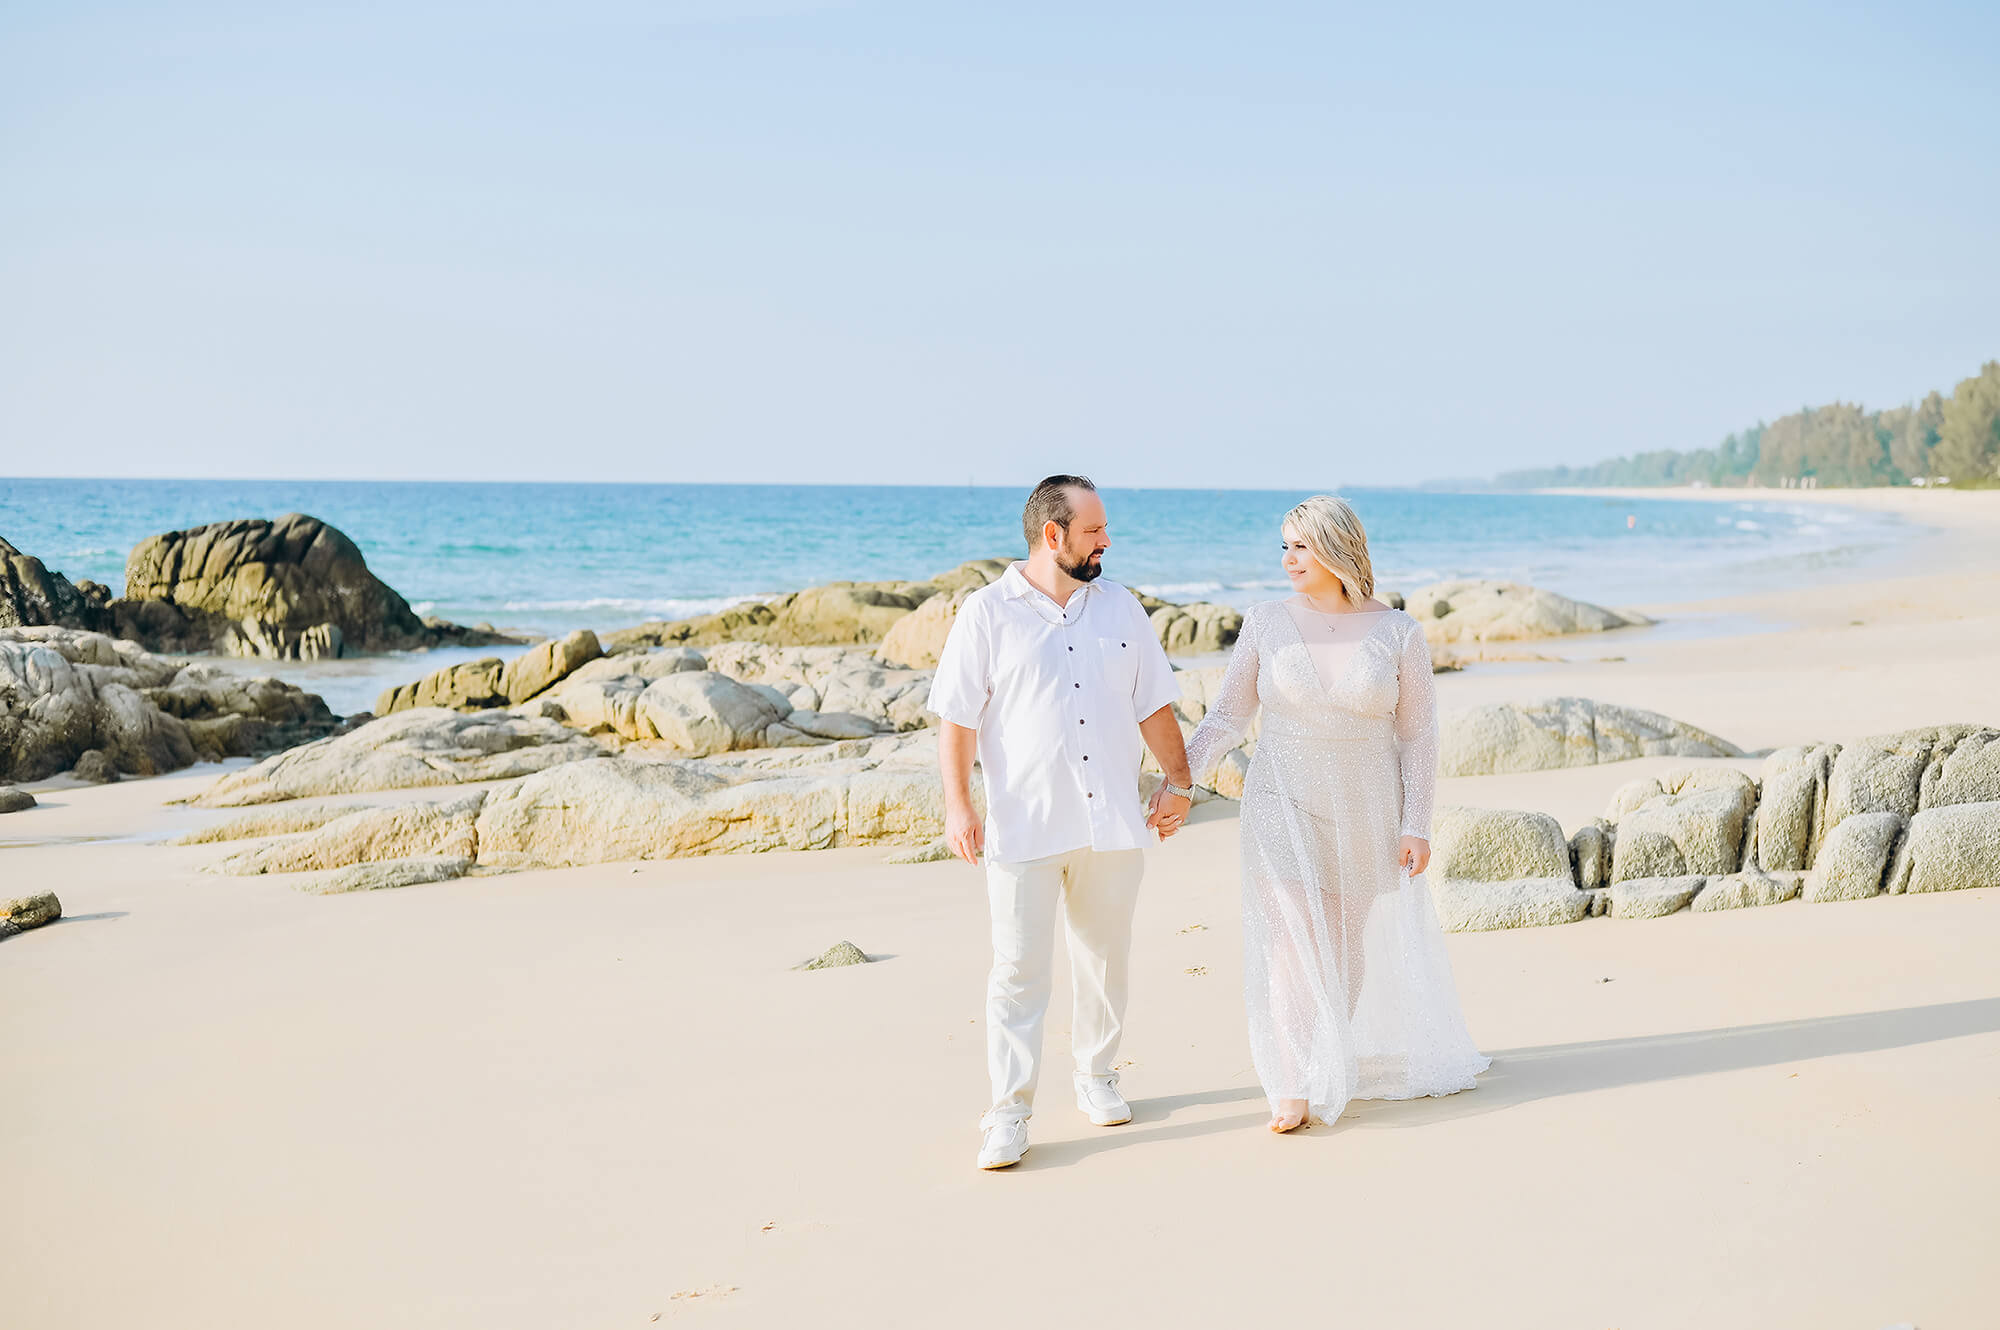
{"points": [[1084, 570]]}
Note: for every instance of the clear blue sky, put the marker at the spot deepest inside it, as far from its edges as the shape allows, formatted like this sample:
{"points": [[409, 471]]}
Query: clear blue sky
{"points": [[1227, 245]]}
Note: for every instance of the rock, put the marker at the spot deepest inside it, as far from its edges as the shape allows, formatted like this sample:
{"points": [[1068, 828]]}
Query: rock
{"points": [[1482, 610], [382, 876], [1887, 772], [64, 693], [543, 665], [274, 822], [883, 791], [293, 589], [95, 767], [1469, 906], [1689, 821], [1564, 732], [411, 749], [1853, 862], [471, 685], [705, 713], [33, 910], [32, 596], [840, 953], [917, 639], [15, 801], [1197, 629], [1963, 771], [1791, 813], [1947, 848], [831, 680], [1590, 852], [7, 930], [1497, 845], [370, 835], [1736, 891], [1652, 897], [1230, 774]]}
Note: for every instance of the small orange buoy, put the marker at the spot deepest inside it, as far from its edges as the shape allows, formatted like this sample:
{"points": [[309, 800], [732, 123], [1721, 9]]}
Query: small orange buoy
{"points": [[1630, 521]]}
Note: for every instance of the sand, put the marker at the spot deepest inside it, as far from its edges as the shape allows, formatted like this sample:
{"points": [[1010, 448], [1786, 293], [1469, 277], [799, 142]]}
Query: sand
{"points": [[600, 1097]]}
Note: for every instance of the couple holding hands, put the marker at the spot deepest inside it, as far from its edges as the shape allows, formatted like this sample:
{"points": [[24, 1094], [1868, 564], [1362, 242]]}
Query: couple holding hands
{"points": [[1053, 678]]}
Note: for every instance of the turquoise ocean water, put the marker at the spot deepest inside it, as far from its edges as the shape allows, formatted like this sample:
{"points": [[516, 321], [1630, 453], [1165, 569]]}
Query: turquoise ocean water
{"points": [[548, 558]]}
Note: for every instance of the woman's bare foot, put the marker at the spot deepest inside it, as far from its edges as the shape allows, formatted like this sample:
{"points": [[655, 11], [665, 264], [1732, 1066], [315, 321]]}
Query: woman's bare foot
{"points": [[1291, 1114]]}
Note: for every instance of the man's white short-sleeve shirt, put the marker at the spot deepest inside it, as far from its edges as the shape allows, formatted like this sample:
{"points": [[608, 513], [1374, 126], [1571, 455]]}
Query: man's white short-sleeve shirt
{"points": [[1056, 694]]}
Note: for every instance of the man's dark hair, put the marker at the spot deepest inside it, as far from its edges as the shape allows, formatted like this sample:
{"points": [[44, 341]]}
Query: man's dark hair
{"points": [[1050, 503]]}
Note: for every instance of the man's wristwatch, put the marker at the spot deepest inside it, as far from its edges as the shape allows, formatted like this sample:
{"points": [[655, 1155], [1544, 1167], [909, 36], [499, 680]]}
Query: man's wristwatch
{"points": [[1178, 791]]}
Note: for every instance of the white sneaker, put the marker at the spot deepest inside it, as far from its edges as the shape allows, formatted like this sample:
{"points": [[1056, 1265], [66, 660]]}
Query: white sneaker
{"points": [[1101, 1102], [1004, 1145]]}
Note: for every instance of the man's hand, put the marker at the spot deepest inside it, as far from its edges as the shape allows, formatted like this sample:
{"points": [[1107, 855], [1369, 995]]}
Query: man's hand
{"points": [[1167, 812], [964, 832], [1415, 853]]}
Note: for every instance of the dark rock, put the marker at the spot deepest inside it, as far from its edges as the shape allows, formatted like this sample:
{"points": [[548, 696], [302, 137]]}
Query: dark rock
{"points": [[31, 596], [92, 765]]}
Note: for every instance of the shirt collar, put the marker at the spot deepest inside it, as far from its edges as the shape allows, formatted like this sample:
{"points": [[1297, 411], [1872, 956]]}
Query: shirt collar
{"points": [[1014, 584]]}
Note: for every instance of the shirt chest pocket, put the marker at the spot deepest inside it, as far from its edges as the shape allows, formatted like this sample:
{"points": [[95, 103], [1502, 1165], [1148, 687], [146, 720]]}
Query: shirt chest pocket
{"points": [[1118, 663]]}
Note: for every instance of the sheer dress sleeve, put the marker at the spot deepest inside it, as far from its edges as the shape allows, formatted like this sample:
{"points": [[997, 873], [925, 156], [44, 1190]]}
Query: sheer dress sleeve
{"points": [[1417, 731], [1235, 706]]}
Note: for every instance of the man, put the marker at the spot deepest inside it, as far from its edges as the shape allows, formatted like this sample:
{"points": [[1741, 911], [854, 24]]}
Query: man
{"points": [[1054, 676]]}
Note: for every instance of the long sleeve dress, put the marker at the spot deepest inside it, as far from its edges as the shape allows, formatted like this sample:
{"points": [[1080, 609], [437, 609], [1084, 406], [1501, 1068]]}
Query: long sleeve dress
{"points": [[1348, 988]]}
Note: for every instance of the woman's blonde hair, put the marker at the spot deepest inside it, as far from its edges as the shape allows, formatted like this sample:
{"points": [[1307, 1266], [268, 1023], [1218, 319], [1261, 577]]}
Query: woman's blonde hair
{"points": [[1330, 529]]}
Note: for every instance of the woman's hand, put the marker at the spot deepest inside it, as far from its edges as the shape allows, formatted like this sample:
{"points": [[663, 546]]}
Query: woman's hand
{"points": [[1414, 853]]}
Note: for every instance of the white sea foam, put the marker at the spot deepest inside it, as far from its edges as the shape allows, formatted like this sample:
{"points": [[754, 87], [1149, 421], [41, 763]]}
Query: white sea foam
{"points": [[658, 607]]}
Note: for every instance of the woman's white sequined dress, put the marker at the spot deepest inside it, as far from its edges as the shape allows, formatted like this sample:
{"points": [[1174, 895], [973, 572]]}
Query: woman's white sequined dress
{"points": [[1347, 984]]}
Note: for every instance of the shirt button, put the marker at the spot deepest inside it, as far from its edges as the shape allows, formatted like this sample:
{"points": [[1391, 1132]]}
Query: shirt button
{"points": [[1077, 685], [1088, 795], [1086, 757], [1079, 722]]}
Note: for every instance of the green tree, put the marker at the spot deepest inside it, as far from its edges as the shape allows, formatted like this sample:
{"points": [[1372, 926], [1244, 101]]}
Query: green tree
{"points": [[1968, 446]]}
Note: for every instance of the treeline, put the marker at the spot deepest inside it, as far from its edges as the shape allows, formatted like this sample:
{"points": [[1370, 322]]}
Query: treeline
{"points": [[1956, 437]]}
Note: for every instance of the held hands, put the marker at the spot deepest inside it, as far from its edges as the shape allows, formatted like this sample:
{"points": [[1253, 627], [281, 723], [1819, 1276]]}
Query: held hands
{"points": [[964, 833], [1167, 812], [1414, 853]]}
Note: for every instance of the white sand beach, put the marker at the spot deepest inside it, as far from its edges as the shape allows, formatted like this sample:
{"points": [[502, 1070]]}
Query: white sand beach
{"points": [[599, 1097]]}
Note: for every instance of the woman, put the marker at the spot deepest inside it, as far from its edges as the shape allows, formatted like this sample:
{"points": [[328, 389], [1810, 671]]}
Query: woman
{"points": [[1349, 990]]}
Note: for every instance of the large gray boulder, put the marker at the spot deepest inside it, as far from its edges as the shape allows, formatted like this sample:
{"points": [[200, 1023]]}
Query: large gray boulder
{"points": [[32, 910], [31, 596], [1497, 845], [293, 589], [1590, 853], [1891, 772], [1948, 848], [1485, 610], [1468, 906], [832, 682], [409, 750], [1688, 821], [1852, 863], [1792, 809], [916, 640], [705, 712], [15, 801], [1963, 771], [1564, 732], [65, 693]]}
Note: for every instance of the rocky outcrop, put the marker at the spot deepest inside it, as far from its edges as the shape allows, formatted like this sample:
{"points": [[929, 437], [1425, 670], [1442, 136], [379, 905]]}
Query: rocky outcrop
{"points": [[1791, 813], [1852, 863], [1497, 845], [1751, 887], [33, 597], [1688, 821], [883, 792], [479, 685], [1197, 629], [837, 614], [917, 639], [370, 835], [66, 694], [1947, 848], [293, 589], [409, 750], [1564, 732], [1480, 610]]}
